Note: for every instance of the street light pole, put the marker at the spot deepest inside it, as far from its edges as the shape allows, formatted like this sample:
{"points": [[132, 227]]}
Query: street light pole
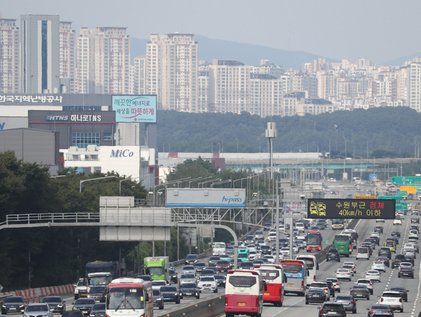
{"points": [[277, 226], [270, 134]]}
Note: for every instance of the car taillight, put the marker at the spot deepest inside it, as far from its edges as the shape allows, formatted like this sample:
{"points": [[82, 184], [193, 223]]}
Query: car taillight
{"points": [[257, 302], [381, 299], [315, 277], [302, 283]]}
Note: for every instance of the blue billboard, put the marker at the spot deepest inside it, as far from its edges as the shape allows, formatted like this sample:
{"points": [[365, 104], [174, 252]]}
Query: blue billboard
{"points": [[131, 108]]}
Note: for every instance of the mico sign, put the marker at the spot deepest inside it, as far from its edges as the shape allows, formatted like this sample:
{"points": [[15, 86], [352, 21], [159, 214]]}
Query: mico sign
{"points": [[118, 153]]}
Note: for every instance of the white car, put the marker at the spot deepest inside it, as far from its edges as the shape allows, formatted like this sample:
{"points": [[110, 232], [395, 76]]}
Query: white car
{"points": [[375, 234], [253, 255], [351, 266], [284, 251], [392, 299], [271, 236], [156, 285], [413, 234], [413, 244], [409, 248], [189, 269], [366, 282], [207, 283], [379, 266], [363, 253], [269, 258], [373, 275], [380, 220], [397, 222], [343, 274]]}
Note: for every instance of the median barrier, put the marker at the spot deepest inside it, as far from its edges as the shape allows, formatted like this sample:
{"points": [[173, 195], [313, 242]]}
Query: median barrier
{"points": [[207, 308], [35, 294]]}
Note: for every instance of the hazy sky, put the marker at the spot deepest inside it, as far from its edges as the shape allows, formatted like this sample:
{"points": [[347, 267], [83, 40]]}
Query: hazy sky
{"points": [[377, 29]]}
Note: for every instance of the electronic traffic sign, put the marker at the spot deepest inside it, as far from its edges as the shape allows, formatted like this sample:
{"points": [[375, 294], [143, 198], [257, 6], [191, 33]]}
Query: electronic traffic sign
{"points": [[351, 208]]}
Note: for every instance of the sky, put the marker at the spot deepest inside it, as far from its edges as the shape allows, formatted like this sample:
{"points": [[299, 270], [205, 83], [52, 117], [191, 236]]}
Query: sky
{"points": [[380, 30]]}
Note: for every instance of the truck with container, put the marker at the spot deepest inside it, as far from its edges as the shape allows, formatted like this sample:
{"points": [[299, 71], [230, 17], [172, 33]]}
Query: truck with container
{"points": [[157, 267]]}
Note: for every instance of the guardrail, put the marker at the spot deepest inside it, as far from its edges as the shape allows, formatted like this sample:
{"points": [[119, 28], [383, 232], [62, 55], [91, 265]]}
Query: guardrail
{"points": [[207, 308]]}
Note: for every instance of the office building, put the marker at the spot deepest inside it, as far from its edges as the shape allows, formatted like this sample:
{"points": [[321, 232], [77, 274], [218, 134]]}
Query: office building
{"points": [[67, 56], [9, 56], [171, 70], [414, 88], [39, 47]]}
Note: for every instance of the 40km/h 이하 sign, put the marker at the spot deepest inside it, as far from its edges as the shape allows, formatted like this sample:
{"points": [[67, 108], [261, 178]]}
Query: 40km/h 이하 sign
{"points": [[351, 208]]}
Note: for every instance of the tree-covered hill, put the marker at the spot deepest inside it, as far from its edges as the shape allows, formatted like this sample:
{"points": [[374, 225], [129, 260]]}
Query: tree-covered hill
{"points": [[376, 132]]}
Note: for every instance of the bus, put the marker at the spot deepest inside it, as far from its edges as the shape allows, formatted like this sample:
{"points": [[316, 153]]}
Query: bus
{"points": [[243, 255], [273, 276], [343, 244], [338, 224], [243, 293], [314, 241], [295, 276], [129, 297], [312, 266], [219, 248]]}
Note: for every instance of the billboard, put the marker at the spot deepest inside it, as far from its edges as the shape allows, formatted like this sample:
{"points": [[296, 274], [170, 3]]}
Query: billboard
{"points": [[206, 197], [132, 109], [351, 208]]}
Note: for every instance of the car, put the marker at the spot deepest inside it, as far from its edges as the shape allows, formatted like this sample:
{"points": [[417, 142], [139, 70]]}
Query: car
{"points": [[84, 305], [265, 250], [343, 274], [55, 303], [414, 245], [259, 234], [38, 310], [172, 275], [220, 280], [406, 269], [380, 310], [366, 282], [258, 262], [170, 293], [409, 248], [187, 278], [335, 283], [324, 286], [98, 310], [415, 220], [269, 258], [333, 255], [315, 295], [191, 259], [81, 288], [246, 265], [393, 300], [199, 266], [207, 283], [378, 229], [385, 251], [157, 284], [397, 222], [190, 289], [348, 302], [373, 275], [208, 272], [13, 304], [385, 260], [330, 309], [363, 253], [379, 266], [158, 301], [72, 313], [97, 292], [188, 269], [402, 290], [223, 266], [360, 291], [396, 234], [351, 266], [271, 236], [397, 260]]}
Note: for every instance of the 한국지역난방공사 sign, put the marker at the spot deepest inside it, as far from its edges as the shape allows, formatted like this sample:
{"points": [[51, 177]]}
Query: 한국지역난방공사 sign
{"points": [[351, 208], [132, 109]]}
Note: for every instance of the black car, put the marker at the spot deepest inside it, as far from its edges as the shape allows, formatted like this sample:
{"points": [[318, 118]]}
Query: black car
{"points": [[190, 289], [84, 305], [348, 302], [97, 293], [56, 304], [378, 229], [13, 304], [332, 310], [144, 277], [98, 310], [333, 255], [213, 260], [172, 275], [379, 310], [360, 291], [397, 260], [315, 295], [191, 259], [331, 288], [396, 234], [158, 301], [265, 250], [170, 294], [402, 290], [409, 259], [72, 313], [375, 239], [220, 280], [385, 252], [246, 265], [199, 266]]}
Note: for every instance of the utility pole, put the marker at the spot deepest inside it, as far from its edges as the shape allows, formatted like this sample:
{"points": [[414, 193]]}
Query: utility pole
{"points": [[270, 134], [277, 226]]}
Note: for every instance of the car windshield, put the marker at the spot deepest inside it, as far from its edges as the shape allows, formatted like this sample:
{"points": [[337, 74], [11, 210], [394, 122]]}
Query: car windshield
{"points": [[207, 279], [362, 250], [200, 264], [85, 301], [331, 307], [156, 292], [188, 268], [168, 289], [191, 257], [390, 294], [343, 298], [156, 283], [189, 285], [380, 307], [98, 307], [40, 308], [188, 276], [97, 290], [52, 300], [13, 300]]}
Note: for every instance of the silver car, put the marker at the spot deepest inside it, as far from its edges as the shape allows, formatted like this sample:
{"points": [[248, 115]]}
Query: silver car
{"points": [[37, 310], [187, 278]]}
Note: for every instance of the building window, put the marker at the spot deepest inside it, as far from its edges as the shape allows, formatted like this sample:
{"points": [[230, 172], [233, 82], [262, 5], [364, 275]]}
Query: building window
{"points": [[83, 139], [107, 136]]}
